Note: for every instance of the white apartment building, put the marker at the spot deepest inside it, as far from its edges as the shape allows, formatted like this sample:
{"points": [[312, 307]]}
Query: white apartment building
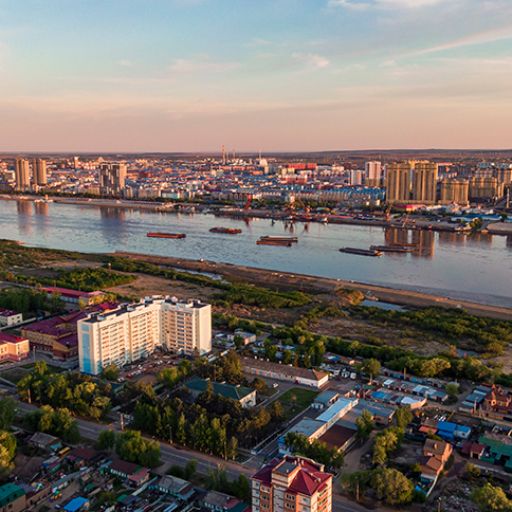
{"points": [[133, 331]]}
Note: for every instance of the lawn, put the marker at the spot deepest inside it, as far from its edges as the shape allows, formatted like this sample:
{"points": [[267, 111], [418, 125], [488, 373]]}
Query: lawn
{"points": [[295, 400]]}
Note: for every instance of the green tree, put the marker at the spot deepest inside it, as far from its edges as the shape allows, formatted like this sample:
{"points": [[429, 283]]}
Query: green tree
{"points": [[7, 412], [490, 498], [403, 416], [365, 425], [106, 440], [131, 446], [371, 367], [7, 451], [392, 486], [110, 372], [452, 388]]}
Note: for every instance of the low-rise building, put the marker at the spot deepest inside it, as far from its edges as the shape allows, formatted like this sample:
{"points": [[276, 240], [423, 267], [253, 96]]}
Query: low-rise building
{"points": [[220, 502], [307, 377], [9, 318], [12, 498], [13, 348], [132, 473], [75, 298], [246, 397], [436, 454], [57, 336], [175, 487]]}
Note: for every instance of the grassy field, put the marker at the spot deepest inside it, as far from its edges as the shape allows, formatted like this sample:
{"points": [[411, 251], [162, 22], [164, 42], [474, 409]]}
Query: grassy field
{"points": [[295, 400]]}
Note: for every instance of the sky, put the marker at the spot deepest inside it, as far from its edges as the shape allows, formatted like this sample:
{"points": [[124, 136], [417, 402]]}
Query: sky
{"points": [[269, 75]]}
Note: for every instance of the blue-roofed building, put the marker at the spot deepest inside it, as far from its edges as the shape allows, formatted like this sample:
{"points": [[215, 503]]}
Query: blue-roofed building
{"points": [[451, 431], [332, 414], [77, 504]]}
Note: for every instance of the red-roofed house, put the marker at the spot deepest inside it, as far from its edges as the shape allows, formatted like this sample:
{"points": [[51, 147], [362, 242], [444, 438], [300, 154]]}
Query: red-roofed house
{"points": [[292, 484], [58, 334], [75, 297], [13, 348]]}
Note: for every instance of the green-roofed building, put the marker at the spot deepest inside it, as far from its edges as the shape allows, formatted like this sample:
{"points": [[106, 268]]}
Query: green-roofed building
{"points": [[12, 498], [500, 450], [245, 396]]}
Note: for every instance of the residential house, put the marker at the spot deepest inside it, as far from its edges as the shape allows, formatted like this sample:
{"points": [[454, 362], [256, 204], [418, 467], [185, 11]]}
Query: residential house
{"points": [[132, 473], [435, 456], [246, 397]]}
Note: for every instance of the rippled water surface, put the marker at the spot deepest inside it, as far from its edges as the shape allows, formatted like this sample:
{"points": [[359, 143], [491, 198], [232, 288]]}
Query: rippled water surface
{"points": [[473, 267]]}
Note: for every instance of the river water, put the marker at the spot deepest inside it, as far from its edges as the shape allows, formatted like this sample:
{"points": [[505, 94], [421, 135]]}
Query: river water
{"points": [[459, 266]]}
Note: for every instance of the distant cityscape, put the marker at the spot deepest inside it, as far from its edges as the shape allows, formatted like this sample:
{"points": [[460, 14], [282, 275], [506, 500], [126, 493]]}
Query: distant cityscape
{"points": [[410, 183]]}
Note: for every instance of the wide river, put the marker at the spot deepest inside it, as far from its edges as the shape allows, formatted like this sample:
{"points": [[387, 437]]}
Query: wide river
{"points": [[467, 267]]}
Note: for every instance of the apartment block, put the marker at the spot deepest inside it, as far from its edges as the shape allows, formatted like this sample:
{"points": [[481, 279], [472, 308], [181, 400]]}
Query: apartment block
{"points": [[22, 173], [373, 174], [455, 192], [112, 178], [292, 484], [424, 182], [133, 331], [398, 182]]}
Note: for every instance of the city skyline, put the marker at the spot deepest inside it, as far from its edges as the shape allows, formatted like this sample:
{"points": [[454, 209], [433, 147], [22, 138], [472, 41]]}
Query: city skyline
{"points": [[286, 75]]}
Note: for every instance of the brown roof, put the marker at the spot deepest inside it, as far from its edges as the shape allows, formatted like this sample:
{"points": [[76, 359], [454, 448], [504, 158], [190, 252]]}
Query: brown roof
{"points": [[293, 371], [337, 436]]}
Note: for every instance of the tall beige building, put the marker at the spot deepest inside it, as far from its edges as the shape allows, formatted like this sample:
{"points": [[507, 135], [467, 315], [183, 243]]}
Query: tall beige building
{"points": [[39, 171], [293, 484], [112, 178], [424, 182], [373, 174], [485, 188], [398, 182], [504, 174], [455, 192], [133, 331], [22, 173]]}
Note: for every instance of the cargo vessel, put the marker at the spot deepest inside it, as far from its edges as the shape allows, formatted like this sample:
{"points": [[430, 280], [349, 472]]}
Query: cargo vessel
{"points": [[165, 235], [392, 248], [276, 243], [361, 252], [226, 231], [291, 239]]}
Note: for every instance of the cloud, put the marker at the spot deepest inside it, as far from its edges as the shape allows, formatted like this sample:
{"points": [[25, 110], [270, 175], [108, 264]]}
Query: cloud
{"points": [[125, 63], [484, 37], [201, 64], [311, 60], [361, 5]]}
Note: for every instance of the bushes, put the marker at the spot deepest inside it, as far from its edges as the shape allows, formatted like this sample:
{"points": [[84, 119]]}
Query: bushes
{"points": [[251, 295], [90, 279], [487, 334]]}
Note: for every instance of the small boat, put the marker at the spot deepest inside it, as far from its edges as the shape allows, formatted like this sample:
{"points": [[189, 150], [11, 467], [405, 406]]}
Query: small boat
{"points": [[226, 231], [361, 252], [166, 235]]}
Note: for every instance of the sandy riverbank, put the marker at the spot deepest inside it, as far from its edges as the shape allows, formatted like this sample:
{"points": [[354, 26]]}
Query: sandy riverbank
{"points": [[314, 284]]}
